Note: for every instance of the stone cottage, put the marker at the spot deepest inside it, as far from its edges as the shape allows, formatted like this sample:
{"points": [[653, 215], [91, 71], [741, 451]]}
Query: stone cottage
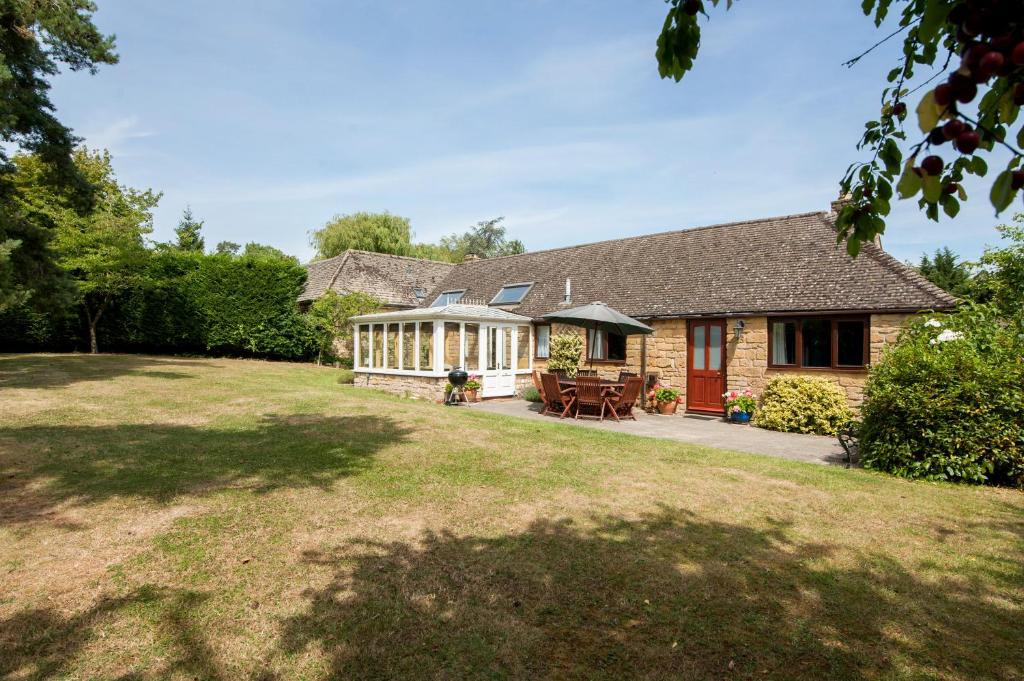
{"points": [[732, 305]]}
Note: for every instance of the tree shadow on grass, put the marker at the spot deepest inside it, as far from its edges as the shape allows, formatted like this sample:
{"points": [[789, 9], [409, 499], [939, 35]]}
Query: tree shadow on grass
{"points": [[42, 467], [668, 596], [43, 644], [56, 371]]}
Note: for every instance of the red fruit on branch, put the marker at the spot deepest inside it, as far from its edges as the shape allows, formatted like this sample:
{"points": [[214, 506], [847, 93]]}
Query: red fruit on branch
{"points": [[899, 108], [1017, 56], [964, 87], [953, 128], [975, 53], [943, 94], [932, 165], [950, 188], [990, 64], [1017, 179], [937, 136], [967, 142]]}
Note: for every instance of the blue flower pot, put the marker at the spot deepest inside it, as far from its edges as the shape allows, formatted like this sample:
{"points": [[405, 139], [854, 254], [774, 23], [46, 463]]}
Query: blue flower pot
{"points": [[739, 417]]}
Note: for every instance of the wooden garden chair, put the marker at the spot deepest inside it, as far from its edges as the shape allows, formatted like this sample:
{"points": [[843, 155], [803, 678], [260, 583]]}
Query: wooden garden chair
{"points": [[586, 372], [620, 404], [589, 396], [623, 375], [555, 397], [539, 385]]}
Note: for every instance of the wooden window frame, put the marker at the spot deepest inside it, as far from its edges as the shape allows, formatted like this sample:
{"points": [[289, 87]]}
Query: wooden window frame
{"points": [[536, 337], [604, 337], [834, 342]]}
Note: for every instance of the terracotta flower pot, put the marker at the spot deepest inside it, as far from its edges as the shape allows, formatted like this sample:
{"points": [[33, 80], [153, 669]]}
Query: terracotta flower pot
{"points": [[668, 407], [471, 395]]}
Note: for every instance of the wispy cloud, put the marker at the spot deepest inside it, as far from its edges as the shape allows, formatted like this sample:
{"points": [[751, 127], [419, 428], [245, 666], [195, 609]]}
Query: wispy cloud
{"points": [[116, 136]]}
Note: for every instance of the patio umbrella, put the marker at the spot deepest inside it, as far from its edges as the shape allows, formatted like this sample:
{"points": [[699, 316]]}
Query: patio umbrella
{"points": [[599, 317]]}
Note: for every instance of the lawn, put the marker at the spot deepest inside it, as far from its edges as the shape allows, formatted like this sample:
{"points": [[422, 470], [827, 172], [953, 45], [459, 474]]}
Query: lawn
{"points": [[222, 519]]}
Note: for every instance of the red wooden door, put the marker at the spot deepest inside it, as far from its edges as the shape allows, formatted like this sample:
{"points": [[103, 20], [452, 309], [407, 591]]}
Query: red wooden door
{"points": [[705, 365]]}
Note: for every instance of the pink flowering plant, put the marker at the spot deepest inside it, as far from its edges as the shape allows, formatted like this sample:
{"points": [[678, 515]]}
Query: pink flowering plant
{"points": [[473, 382], [737, 401]]}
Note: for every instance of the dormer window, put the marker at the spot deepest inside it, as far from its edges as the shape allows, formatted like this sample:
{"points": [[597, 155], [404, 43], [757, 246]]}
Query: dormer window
{"points": [[510, 294], [448, 298], [419, 292]]}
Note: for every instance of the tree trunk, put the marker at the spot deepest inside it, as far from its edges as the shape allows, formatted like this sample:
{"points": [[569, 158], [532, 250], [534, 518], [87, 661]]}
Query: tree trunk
{"points": [[93, 320]]}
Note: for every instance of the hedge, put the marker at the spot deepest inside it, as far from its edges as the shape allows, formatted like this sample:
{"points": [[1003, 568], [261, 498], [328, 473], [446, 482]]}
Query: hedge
{"points": [[193, 303]]}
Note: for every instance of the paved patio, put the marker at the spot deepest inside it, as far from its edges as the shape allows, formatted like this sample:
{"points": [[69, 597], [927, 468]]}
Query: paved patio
{"points": [[700, 430]]}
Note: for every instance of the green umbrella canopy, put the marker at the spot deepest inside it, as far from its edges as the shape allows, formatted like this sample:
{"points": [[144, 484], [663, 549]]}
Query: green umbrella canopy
{"points": [[599, 316]]}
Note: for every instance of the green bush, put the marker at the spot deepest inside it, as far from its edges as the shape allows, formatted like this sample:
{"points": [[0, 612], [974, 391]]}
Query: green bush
{"points": [[947, 401], [531, 394], [799, 404], [565, 352]]}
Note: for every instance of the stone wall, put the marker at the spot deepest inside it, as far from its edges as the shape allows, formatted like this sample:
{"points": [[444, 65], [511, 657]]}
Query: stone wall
{"points": [[746, 359], [666, 353], [418, 387]]}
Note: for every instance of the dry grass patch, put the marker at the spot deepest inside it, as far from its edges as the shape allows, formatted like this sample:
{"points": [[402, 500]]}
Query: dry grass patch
{"points": [[164, 518]]}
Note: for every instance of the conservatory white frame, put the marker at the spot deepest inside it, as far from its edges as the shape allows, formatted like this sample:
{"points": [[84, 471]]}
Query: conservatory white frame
{"points": [[498, 374]]}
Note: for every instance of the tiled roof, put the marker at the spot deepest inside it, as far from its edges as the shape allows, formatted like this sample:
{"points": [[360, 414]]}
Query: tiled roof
{"points": [[389, 278], [453, 311], [783, 264]]}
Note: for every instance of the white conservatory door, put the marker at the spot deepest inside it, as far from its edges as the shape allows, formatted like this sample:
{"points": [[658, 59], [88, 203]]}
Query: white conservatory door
{"points": [[499, 378]]}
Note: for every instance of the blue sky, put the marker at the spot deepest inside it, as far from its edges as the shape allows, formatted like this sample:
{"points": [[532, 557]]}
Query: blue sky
{"points": [[268, 118]]}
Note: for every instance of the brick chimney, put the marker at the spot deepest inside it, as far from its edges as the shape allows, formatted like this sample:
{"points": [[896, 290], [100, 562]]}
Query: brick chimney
{"points": [[843, 200], [470, 257]]}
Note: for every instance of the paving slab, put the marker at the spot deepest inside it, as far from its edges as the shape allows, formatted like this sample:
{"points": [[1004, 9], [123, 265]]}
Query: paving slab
{"points": [[700, 430]]}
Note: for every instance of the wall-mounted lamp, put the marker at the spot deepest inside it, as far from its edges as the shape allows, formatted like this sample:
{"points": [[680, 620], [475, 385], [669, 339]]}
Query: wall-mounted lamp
{"points": [[738, 327]]}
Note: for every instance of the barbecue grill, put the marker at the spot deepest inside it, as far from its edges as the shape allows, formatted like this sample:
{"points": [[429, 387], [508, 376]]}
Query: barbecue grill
{"points": [[457, 377]]}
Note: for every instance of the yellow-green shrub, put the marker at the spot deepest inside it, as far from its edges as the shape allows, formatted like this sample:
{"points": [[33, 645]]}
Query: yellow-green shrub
{"points": [[799, 404]]}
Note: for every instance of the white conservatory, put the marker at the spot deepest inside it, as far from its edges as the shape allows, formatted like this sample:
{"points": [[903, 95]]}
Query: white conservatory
{"points": [[410, 352]]}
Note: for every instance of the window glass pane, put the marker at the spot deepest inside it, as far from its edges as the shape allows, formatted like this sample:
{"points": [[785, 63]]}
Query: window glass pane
{"points": [[378, 346], [506, 356], [715, 347], [392, 355], [616, 346], [595, 344], [451, 345], [817, 342], [851, 343], [409, 347], [698, 347], [543, 340], [426, 346], [472, 347], [783, 342], [510, 294], [447, 298], [523, 347], [492, 348], [364, 345]]}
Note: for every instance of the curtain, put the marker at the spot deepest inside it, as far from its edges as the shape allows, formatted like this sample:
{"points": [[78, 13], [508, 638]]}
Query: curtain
{"points": [[779, 353]]}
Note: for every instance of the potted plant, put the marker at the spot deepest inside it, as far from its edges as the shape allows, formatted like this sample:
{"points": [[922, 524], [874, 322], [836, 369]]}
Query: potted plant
{"points": [[740, 405], [471, 387], [667, 399]]}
